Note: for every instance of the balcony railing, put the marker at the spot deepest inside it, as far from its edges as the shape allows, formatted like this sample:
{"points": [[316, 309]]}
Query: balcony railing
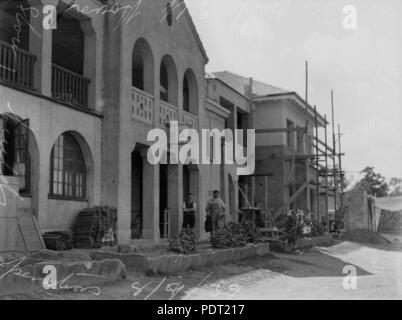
{"points": [[168, 112], [142, 106], [189, 120], [70, 87], [16, 66], [143, 109]]}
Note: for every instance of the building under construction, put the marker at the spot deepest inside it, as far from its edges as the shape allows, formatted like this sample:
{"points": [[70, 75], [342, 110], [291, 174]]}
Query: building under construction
{"points": [[298, 163]]}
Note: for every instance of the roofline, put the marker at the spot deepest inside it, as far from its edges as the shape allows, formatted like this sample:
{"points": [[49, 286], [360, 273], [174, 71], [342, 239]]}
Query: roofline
{"points": [[230, 87], [321, 119], [293, 94], [195, 32]]}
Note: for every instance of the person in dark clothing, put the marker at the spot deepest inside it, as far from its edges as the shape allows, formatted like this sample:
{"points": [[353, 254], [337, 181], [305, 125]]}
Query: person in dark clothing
{"points": [[189, 209]]}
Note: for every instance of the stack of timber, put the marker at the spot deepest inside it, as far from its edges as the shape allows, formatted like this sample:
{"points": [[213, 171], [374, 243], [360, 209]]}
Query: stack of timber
{"points": [[95, 227]]}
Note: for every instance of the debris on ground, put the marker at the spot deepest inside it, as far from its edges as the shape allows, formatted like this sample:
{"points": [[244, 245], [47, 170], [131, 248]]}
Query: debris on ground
{"points": [[364, 236]]}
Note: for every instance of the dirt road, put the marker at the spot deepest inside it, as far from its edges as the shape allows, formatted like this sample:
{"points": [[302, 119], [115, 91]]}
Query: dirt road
{"points": [[318, 274], [315, 274]]}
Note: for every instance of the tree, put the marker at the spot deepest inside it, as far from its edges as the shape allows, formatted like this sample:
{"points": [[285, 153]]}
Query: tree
{"points": [[395, 185], [374, 183]]}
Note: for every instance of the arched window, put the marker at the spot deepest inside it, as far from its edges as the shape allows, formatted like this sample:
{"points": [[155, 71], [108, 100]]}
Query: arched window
{"points": [[14, 151], [68, 171]]}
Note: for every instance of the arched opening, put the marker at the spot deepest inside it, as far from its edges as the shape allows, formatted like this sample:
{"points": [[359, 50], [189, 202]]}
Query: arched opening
{"points": [[17, 147], [16, 63], [168, 80], [143, 67], [68, 59], [69, 168], [190, 93], [15, 13], [68, 44]]}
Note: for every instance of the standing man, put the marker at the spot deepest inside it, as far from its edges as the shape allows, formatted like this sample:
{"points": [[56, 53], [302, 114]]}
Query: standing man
{"points": [[189, 208], [215, 208]]}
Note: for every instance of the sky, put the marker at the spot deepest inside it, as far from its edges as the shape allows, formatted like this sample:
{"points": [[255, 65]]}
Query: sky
{"points": [[270, 40]]}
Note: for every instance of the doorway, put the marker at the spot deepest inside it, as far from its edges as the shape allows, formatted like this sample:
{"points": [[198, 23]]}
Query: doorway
{"points": [[136, 193]]}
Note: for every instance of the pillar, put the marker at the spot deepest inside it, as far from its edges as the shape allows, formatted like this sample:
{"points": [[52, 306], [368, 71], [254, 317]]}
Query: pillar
{"points": [[175, 198], [150, 185], [40, 44]]}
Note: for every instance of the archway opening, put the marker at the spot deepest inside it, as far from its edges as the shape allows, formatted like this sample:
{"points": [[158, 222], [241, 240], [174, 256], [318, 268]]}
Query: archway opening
{"points": [[143, 67], [190, 93], [168, 81]]}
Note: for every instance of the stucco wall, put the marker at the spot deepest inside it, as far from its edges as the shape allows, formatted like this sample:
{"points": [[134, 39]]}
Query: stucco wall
{"points": [[270, 114], [179, 43], [48, 120]]}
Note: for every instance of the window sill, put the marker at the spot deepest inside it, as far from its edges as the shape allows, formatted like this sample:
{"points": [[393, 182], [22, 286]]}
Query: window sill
{"points": [[61, 198]]}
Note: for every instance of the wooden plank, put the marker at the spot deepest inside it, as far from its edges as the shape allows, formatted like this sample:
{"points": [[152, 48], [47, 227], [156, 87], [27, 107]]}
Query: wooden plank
{"points": [[30, 233], [281, 130]]}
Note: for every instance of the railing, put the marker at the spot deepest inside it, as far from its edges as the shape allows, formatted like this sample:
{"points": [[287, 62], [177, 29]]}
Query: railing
{"points": [[168, 112], [69, 86], [142, 107], [16, 65], [189, 120]]}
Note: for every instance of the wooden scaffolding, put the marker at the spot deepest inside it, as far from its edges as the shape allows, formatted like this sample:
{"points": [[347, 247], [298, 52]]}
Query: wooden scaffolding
{"points": [[323, 168]]}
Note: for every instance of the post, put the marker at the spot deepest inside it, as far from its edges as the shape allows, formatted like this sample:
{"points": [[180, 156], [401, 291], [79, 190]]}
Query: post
{"points": [[340, 163], [317, 164], [253, 191], [334, 149], [266, 193], [308, 200], [326, 173], [306, 81]]}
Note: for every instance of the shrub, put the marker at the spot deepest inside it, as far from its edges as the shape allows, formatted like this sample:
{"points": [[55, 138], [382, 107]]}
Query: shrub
{"points": [[234, 235], [251, 231], [317, 229], [295, 225], [184, 243], [300, 225]]}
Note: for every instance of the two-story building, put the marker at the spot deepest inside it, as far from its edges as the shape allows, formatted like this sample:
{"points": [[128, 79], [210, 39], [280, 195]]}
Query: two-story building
{"points": [[286, 162], [78, 102], [51, 84]]}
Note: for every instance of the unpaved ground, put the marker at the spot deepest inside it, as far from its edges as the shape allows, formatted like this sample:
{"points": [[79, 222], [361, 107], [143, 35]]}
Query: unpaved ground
{"points": [[318, 274], [315, 274]]}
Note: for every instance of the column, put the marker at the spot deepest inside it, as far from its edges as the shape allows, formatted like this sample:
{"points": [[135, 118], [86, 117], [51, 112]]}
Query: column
{"points": [[40, 44], [150, 185], [175, 198]]}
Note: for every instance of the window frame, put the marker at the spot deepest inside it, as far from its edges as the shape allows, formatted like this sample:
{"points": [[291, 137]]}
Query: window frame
{"points": [[69, 142], [10, 151]]}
